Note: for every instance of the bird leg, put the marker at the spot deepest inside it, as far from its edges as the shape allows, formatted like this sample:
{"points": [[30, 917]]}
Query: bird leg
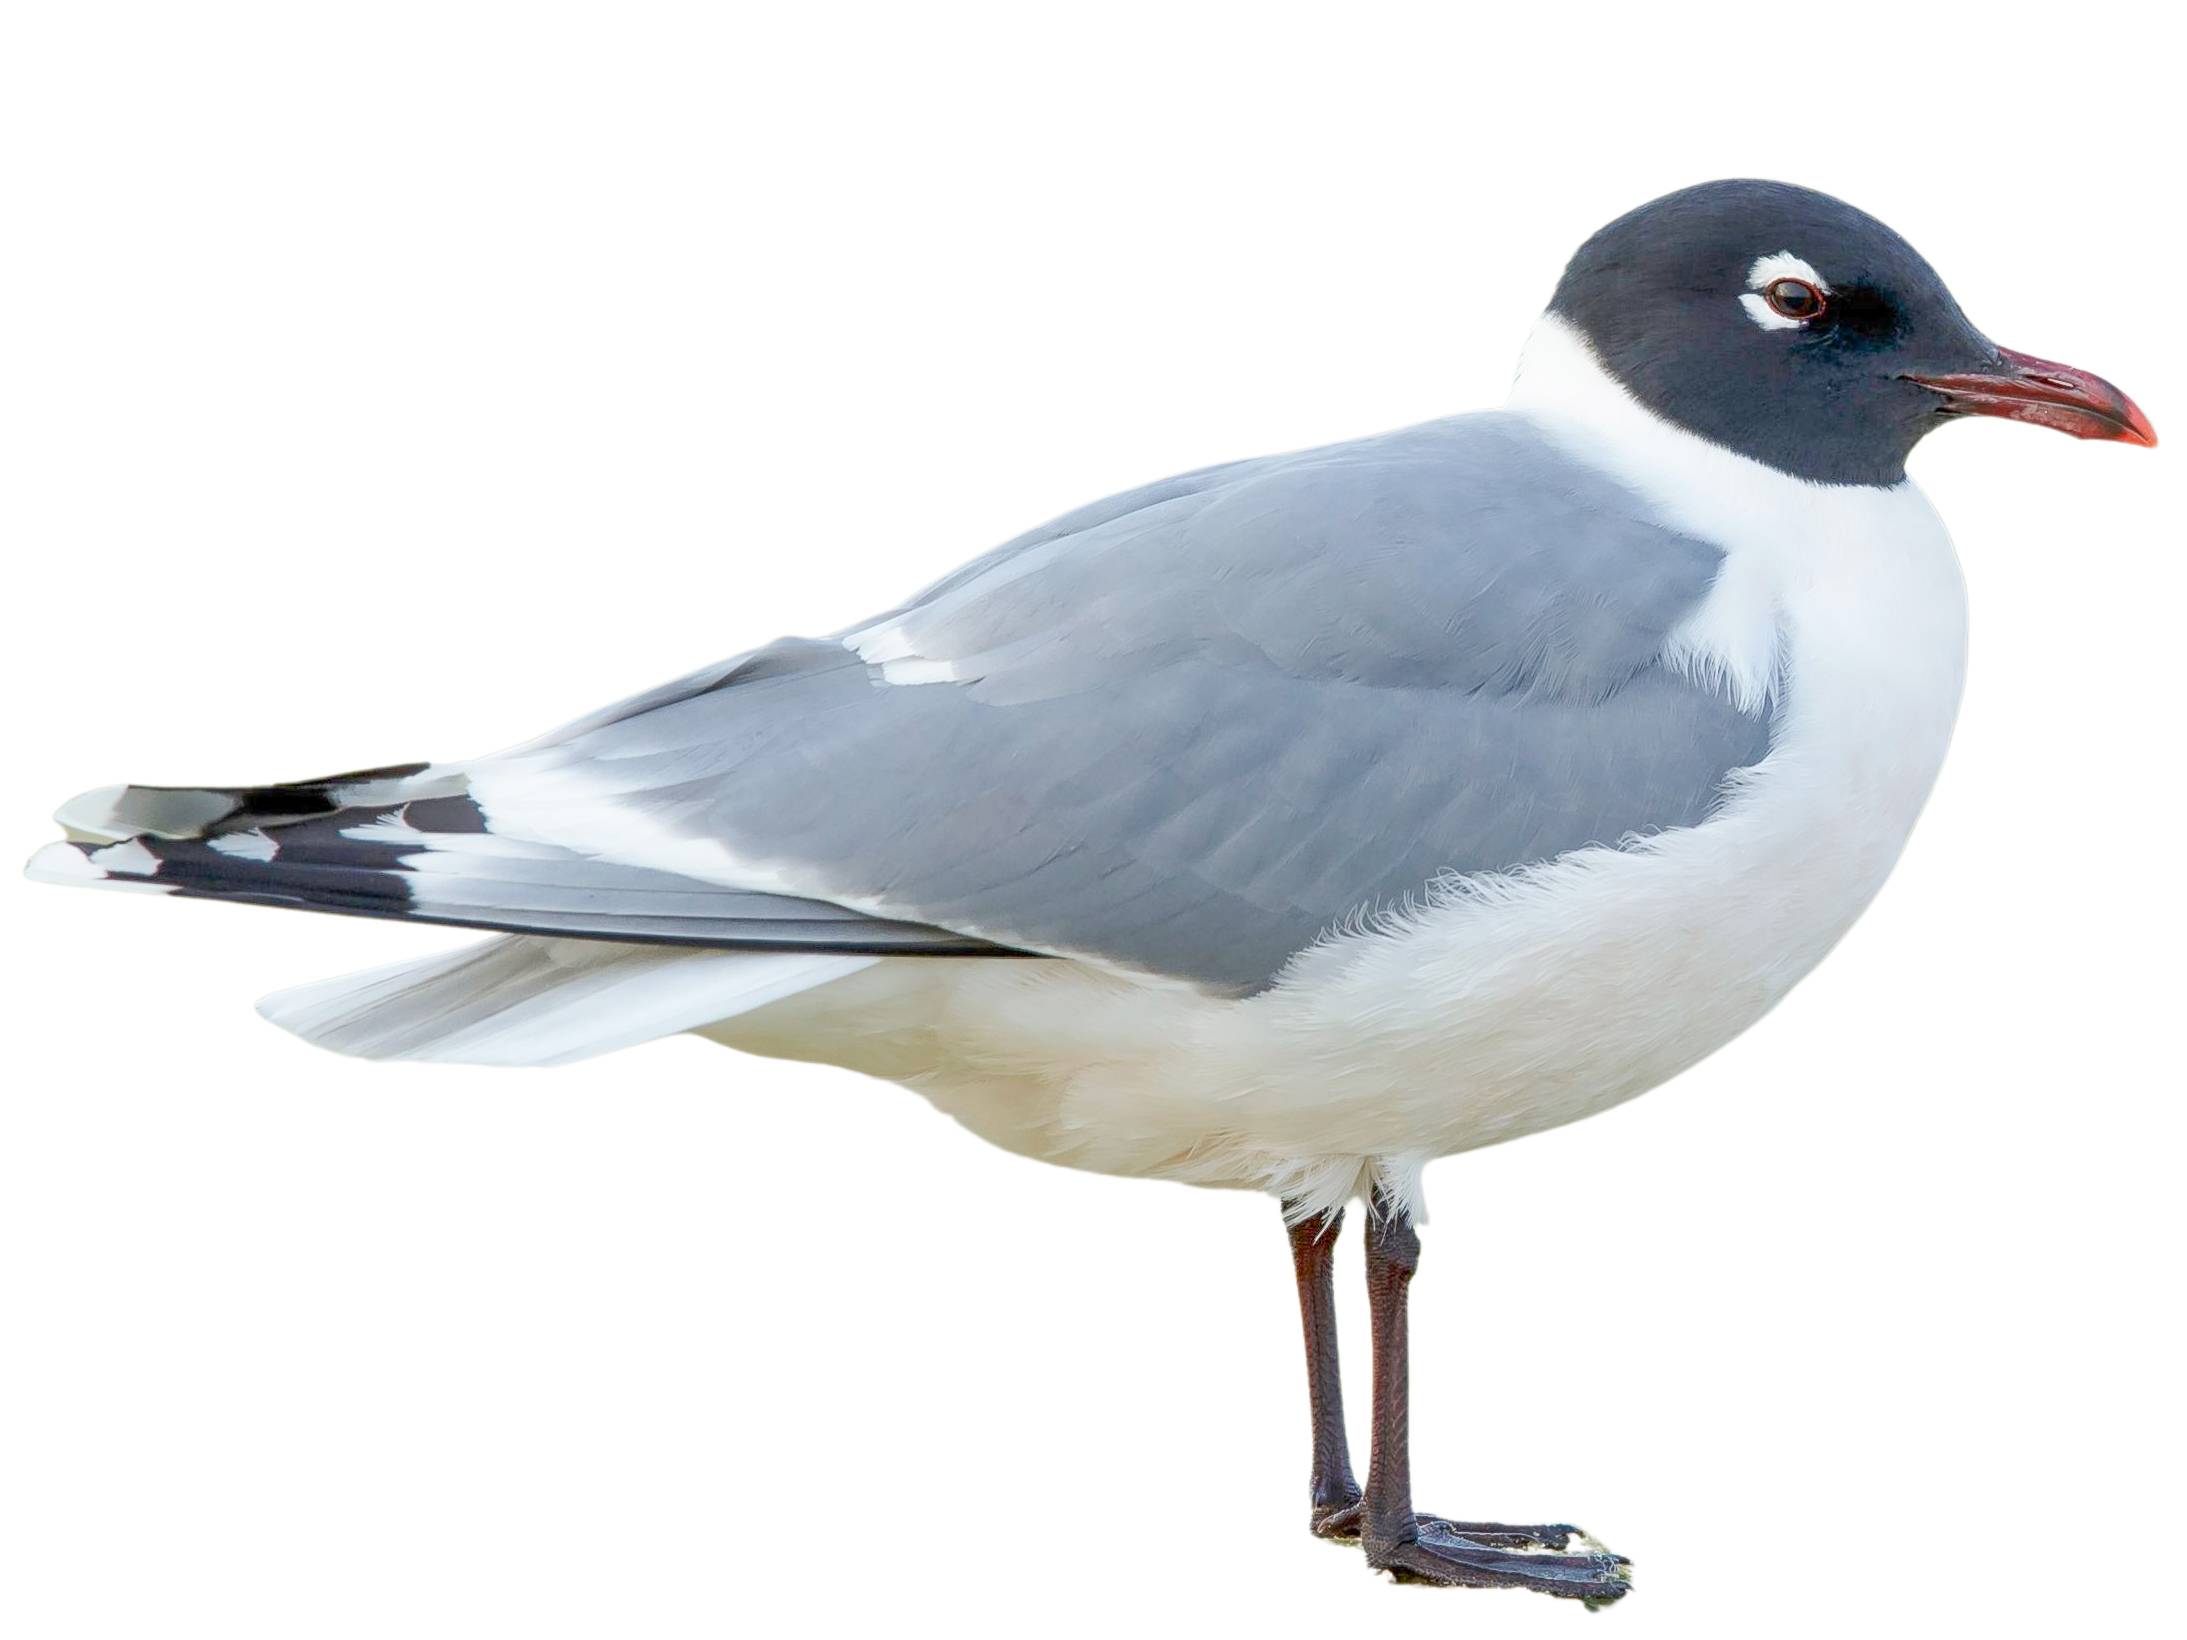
{"points": [[1409, 1545], [1335, 1493]]}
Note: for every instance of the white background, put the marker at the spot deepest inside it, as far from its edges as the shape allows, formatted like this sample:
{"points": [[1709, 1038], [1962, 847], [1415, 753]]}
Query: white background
{"points": [[396, 382]]}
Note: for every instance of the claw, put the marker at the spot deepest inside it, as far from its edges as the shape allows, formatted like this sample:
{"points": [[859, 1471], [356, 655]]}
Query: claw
{"points": [[1492, 1535]]}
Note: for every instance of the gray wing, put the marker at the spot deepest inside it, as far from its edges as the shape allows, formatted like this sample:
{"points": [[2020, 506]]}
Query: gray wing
{"points": [[1190, 729]]}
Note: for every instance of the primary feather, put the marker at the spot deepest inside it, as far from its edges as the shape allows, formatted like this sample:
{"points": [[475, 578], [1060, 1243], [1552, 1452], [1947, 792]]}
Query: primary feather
{"points": [[432, 858]]}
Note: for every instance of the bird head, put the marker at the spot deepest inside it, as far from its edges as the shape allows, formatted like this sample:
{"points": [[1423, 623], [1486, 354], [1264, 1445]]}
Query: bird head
{"points": [[1786, 325]]}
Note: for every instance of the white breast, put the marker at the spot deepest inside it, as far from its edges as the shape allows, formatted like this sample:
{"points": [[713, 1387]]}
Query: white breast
{"points": [[1522, 1000]]}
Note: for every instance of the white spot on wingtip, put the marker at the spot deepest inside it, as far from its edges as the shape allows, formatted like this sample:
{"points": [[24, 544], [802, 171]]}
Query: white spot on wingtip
{"points": [[93, 816], [130, 858], [114, 814], [61, 863], [244, 845], [66, 863]]}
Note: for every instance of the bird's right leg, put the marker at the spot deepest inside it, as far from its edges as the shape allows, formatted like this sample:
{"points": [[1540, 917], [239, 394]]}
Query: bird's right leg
{"points": [[1396, 1537], [1335, 1493]]}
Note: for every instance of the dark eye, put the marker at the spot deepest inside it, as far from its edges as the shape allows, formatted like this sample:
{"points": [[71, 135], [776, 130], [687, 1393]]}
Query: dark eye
{"points": [[1794, 298]]}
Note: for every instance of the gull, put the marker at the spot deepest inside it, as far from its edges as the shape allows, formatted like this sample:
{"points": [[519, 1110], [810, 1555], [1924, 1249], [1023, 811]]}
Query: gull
{"points": [[1281, 826]]}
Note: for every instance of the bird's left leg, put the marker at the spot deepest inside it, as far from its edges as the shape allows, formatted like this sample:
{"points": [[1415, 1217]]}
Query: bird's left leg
{"points": [[1335, 1492]]}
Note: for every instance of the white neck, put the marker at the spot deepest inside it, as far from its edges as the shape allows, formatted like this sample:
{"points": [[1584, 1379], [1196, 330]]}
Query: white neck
{"points": [[1779, 533]]}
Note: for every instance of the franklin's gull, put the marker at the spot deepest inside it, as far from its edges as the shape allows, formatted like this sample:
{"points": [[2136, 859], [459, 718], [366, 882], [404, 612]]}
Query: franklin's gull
{"points": [[1284, 825]]}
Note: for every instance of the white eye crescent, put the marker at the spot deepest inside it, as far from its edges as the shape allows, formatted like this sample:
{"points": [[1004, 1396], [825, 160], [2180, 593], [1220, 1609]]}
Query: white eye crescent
{"points": [[1783, 292]]}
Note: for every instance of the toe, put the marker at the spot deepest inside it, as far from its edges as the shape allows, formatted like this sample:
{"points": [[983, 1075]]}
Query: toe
{"points": [[1454, 1561]]}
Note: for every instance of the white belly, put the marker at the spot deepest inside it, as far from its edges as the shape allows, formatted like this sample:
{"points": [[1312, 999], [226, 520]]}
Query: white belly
{"points": [[1517, 1003]]}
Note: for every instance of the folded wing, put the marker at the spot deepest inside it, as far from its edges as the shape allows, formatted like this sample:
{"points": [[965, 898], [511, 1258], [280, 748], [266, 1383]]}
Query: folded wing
{"points": [[1189, 731]]}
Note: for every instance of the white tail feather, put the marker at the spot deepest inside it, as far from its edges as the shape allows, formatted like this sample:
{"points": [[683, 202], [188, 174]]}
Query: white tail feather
{"points": [[526, 1000]]}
